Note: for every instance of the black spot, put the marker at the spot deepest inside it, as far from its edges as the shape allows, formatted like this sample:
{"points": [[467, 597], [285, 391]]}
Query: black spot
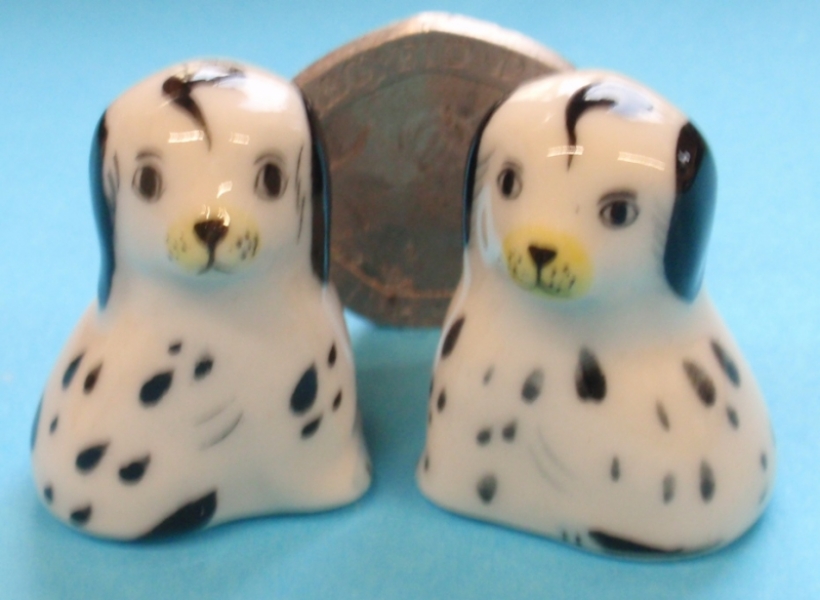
{"points": [[134, 471], [426, 463], [486, 488], [36, 424], [203, 367], [432, 383], [731, 414], [488, 375], [53, 426], [91, 379], [668, 488], [337, 401], [701, 382], [189, 517], [764, 461], [155, 388], [707, 482], [331, 356], [429, 417], [309, 429], [81, 516], [442, 401], [48, 494], [590, 382], [726, 363], [532, 386], [484, 436], [89, 458], [662, 416], [71, 370], [615, 469], [452, 337], [508, 433], [175, 348], [619, 545], [304, 394]]}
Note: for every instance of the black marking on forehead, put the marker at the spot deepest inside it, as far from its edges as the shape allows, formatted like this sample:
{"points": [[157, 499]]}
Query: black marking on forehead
{"points": [[179, 87], [616, 97]]}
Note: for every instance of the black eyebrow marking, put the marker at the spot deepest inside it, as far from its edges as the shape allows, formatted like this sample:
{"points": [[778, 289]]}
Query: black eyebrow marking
{"points": [[617, 194], [482, 160], [114, 181], [300, 199], [148, 154], [274, 155]]}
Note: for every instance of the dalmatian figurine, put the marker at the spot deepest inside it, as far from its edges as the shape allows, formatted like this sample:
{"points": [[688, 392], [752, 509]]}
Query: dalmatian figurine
{"points": [[213, 377], [585, 388]]}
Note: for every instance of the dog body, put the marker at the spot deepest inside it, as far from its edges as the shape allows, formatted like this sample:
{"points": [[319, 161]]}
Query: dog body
{"points": [[585, 387], [213, 378]]}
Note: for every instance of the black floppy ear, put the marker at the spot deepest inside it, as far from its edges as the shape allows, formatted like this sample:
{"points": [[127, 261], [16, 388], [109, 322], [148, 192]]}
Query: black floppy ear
{"points": [[320, 198], [469, 172], [684, 258], [103, 212]]}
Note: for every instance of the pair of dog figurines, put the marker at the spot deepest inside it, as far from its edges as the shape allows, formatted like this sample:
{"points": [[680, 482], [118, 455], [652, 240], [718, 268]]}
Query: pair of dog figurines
{"points": [[584, 387]]}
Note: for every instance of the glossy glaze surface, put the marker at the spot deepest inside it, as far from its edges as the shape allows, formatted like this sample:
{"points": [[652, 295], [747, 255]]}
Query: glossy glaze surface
{"points": [[213, 378], [585, 388]]}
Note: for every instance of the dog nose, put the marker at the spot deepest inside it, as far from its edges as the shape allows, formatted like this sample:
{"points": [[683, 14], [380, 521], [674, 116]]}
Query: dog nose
{"points": [[211, 231], [541, 256]]}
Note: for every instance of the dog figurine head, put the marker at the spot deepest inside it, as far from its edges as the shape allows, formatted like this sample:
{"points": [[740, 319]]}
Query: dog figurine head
{"points": [[207, 170], [603, 190]]}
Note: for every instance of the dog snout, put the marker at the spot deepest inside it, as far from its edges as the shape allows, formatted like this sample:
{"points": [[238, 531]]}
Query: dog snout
{"points": [[211, 231], [541, 255]]}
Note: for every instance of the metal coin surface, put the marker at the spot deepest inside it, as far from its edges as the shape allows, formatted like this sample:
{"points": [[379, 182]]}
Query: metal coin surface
{"points": [[398, 108]]}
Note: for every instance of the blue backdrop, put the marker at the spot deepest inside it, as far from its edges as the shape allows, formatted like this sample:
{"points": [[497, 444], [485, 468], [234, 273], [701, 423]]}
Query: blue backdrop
{"points": [[747, 73]]}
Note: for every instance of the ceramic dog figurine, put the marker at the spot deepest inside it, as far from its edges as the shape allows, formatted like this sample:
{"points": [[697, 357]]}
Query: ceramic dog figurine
{"points": [[213, 378], [585, 388]]}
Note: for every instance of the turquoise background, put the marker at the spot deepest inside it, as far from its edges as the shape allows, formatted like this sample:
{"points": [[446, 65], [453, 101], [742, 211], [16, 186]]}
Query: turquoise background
{"points": [[747, 73]]}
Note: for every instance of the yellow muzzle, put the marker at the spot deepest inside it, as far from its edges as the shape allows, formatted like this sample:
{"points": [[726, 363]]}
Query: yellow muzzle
{"points": [[218, 238], [549, 262]]}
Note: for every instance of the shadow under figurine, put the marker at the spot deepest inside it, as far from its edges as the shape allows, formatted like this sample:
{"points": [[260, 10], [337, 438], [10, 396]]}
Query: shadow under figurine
{"points": [[213, 378], [585, 388]]}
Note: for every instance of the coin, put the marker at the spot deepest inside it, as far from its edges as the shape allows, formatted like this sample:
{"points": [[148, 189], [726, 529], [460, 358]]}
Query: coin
{"points": [[398, 108]]}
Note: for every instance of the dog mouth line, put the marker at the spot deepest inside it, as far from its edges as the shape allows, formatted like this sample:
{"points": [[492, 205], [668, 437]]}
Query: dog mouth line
{"points": [[563, 287], [212, 265]]}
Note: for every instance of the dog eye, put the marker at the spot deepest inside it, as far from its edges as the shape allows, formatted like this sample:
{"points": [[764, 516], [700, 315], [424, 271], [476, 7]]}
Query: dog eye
{"points": [[509, 182], [270, 181], [147, 183], [618, 210]]}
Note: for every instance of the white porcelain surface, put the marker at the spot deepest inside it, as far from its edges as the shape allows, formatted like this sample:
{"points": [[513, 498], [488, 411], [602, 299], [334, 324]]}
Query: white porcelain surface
{"points": [[598, 399], [213, 378]]}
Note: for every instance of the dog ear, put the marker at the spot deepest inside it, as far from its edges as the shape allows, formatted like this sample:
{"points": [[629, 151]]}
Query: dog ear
{"points": [[695, 189], [103, 212], [470, 169], [320, 197]]}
